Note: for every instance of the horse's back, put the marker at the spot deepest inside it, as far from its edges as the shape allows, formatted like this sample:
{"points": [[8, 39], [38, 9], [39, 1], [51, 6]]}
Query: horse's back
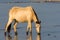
{"points": [[21, 8], [16, 9]]}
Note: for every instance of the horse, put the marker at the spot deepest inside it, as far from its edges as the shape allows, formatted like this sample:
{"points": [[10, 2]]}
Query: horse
{"points": [[23, 14]]}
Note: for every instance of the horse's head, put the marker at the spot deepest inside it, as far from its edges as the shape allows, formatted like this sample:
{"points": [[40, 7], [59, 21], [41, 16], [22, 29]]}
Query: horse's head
{"points": [[38, 26]]}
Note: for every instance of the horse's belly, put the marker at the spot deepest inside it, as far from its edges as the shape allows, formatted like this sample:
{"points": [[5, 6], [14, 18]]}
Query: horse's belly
{"points": [[21, 19]]}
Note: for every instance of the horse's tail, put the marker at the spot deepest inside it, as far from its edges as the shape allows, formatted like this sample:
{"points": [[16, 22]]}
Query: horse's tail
{"points": [[9, 27]]}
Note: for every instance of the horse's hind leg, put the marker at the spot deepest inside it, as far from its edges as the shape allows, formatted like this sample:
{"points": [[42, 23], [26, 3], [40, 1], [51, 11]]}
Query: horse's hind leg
{"points": [[29, 27], [8, 26], [15, 23]]}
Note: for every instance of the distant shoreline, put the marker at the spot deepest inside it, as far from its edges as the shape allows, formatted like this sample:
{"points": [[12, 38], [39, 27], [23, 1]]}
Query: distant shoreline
{"points": [[51, 1], [33, 2]]}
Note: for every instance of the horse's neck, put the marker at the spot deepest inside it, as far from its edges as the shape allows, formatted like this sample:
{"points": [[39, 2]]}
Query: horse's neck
{"points": [[35, 18]]}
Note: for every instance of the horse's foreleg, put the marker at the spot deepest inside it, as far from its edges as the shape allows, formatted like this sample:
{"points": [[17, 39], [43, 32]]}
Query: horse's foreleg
{"points": [[15, 28], [29, 28], [8, 26]]}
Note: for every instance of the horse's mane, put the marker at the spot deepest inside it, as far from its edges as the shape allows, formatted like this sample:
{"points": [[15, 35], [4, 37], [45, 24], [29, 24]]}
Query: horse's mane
{"points": [[36, 15]]}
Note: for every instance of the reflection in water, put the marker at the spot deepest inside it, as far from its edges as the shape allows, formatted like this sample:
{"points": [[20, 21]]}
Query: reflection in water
{"points": [[15, 37], [10, 37], [29, 37], [38, 37]]}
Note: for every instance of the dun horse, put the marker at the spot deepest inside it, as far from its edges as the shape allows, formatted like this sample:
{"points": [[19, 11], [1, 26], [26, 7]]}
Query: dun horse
{"points": [[23, 14]]}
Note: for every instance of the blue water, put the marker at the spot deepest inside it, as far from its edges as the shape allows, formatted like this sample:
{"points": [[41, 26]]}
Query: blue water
{"points": [[48, 13]]}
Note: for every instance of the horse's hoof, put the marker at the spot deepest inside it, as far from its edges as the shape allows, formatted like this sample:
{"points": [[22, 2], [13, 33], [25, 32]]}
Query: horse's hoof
{"points": [[16, 33], [26, 33], [38, 33], [30, 32]]}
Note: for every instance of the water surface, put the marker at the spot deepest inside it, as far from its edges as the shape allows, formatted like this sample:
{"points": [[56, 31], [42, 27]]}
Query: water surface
{"points": [[48, 13]]}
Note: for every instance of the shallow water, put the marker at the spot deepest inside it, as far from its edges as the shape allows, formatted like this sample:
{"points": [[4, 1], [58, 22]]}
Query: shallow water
{"points": [[48, 13]]}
